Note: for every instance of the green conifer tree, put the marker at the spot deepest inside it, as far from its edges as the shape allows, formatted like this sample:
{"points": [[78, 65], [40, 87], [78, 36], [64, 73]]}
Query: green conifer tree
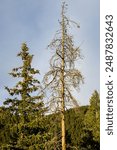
{"points": [[92, 118], [91, 134], [27, 126]]}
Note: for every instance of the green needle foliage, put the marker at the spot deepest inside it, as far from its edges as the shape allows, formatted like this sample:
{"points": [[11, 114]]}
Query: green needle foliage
{"points": [[91, 133], [26, 127], [92, 118]]}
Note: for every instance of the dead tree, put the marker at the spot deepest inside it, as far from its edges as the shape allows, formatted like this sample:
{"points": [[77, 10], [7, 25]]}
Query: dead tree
{"points": [[63, 76]]}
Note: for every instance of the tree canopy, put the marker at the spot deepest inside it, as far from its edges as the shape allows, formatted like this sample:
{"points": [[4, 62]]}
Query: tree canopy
{"points": [[25, 110]]}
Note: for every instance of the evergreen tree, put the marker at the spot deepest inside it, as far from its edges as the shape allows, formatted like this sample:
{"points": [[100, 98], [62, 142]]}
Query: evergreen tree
{"points": [[91, 137], [27, 126], [63, 76], [92, 118]]}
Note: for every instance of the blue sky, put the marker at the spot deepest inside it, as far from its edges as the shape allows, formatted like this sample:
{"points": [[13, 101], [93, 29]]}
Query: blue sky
{"points": [[35, 22]]}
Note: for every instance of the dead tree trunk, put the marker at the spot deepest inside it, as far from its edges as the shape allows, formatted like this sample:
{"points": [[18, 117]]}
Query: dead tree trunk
{"points": [[62, 88], [63, 76]]}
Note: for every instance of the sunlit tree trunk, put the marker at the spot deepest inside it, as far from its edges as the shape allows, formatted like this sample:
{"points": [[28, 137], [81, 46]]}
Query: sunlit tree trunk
{"points": [[63, 77], [62, 88]]}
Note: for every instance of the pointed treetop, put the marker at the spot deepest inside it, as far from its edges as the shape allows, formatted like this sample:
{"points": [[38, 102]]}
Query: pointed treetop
{"points": [[65, 18], [24, 47]]}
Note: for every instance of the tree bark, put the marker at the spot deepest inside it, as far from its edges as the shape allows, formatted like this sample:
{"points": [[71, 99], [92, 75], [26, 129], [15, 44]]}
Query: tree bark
{"points": [[62, 89]]}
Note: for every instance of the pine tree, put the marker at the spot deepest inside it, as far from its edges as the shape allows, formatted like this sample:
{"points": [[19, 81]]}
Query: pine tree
{"points": [[91, 129], [28, 129], [92, 119], [63, 76]]}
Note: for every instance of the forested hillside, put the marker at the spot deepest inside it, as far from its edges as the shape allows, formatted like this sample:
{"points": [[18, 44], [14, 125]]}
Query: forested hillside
{"points": [[82, 126], [82, 129]]}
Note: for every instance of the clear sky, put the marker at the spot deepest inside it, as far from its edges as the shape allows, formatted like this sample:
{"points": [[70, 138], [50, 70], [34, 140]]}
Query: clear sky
{"points": [[35, 22]]}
